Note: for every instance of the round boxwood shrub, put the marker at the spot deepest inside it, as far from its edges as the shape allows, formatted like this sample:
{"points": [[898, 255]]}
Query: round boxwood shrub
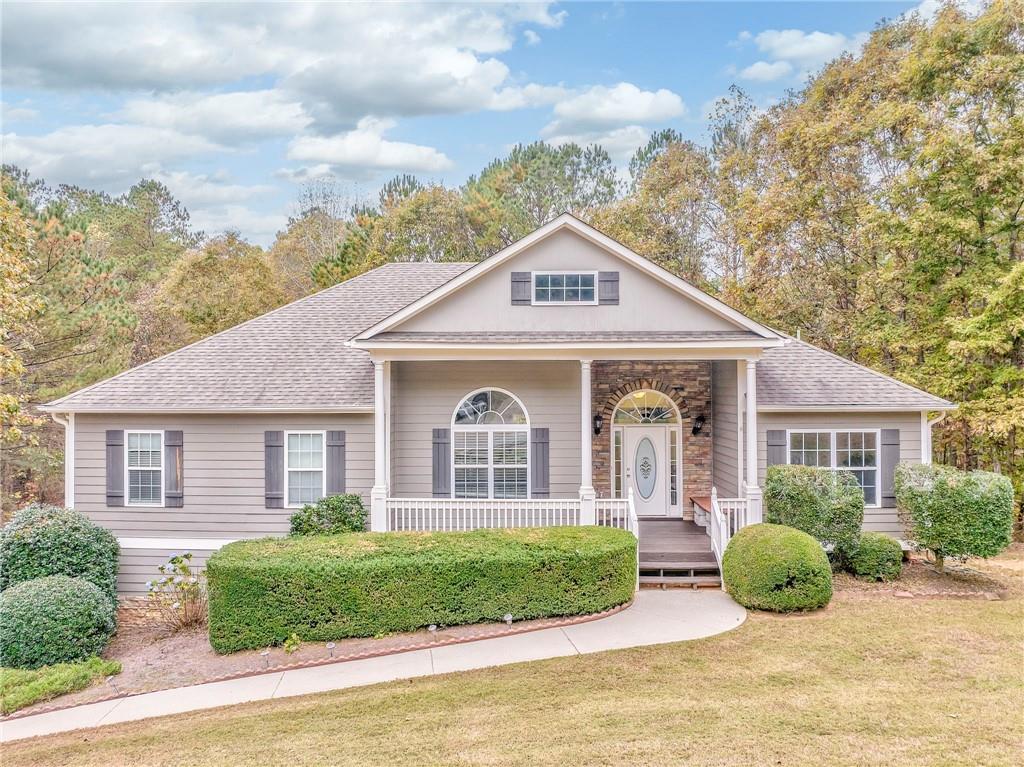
{"points": [[828, 505], [879, 557], [333, 514], [778, 568], [953, 513], [48, 540], [50, 620]]}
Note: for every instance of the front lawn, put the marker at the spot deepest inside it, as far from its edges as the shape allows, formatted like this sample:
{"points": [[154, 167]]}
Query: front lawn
{"points": [[22, 687], [869, 680]]}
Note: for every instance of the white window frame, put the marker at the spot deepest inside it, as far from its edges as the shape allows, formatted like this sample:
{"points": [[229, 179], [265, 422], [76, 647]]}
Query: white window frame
{"points": [[833, 452], [563, 272], [323, 467], [490, 429], [127, 470]]}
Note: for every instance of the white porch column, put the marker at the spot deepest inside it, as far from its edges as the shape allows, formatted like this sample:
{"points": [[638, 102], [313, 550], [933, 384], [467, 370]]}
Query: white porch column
{"points": [[379, 493], [68, 422], [588, 510], [754, 510], [926, 439], [741, 427]]}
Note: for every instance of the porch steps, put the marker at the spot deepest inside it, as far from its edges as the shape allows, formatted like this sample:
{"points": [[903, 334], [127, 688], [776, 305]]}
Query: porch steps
{"points": [[676, 552]]}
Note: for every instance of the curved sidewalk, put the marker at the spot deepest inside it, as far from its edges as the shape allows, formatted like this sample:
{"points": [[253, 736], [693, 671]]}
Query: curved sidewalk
{"points": [[656, 617]]}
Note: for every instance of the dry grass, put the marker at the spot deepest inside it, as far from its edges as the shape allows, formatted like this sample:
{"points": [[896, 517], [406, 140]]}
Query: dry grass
{"points": [[864, 682]]}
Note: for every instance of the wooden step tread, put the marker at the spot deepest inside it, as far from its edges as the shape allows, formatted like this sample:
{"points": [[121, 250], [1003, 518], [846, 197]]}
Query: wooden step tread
{"points": [[688, 580]]}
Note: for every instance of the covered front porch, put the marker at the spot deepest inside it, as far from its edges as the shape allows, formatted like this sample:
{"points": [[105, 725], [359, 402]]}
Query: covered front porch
{"points": [[513, 440]]}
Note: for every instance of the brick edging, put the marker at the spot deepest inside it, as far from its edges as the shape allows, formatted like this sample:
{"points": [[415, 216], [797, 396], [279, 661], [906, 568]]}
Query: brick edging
{"points": [[538, 625]]}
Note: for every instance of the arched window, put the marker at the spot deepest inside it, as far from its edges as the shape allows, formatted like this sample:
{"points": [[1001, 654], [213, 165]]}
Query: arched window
{"points": [[490, 446], [646, 406]]}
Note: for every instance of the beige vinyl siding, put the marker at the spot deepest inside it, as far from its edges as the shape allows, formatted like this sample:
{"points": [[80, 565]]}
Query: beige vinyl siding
{"points": [[425, 394], [138, 566], [884, 520], [724, 422], [223, 469]]}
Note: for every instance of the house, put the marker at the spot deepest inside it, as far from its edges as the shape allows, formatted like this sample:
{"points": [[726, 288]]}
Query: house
{"points": [[564, 380]]}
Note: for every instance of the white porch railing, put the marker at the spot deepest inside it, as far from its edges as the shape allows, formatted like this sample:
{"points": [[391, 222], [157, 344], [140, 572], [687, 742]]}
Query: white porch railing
{"points": [[452, 514], [728, 515], [447, 514]]}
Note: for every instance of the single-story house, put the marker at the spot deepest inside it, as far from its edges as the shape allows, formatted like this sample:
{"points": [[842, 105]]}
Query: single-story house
{"points": [[563, 380]]}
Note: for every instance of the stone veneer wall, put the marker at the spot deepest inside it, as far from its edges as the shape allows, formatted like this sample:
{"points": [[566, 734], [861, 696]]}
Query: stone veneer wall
{"points": [[688, 384]]}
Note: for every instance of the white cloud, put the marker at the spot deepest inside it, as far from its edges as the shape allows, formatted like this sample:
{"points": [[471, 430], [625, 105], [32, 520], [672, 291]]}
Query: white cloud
{"points": [[531, 37], [256, 226], [601, 107], [242, 115], [620, 143], [532, 95], [763, 71], [927, 10], [363, 151], [10, 113], [808, 49], [108, 157], [200, 190]]}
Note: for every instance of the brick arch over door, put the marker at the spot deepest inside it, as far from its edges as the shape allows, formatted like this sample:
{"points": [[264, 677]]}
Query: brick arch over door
{"points": [[674, 393]]}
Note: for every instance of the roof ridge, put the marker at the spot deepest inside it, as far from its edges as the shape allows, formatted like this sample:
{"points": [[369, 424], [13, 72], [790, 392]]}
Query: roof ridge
{"points": [[851, 363], [56, 403]]}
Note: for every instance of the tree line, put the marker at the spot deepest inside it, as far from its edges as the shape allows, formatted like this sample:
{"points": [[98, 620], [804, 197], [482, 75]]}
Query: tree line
{"points": [[876, 211]]}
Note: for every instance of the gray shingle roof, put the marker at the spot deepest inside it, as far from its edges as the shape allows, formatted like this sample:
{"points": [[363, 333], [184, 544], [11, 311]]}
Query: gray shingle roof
{"points": [[553, 337], [291, 358], [295, 358], [797, 374]]}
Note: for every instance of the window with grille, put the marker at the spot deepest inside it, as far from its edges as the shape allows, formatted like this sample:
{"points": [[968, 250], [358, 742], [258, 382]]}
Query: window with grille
{"points": [[304, 467], [490, 447], [853, 451], [144, 467], [564, 288]]}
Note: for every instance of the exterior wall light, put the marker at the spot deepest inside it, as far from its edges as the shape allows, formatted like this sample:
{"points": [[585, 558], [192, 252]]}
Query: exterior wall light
{"points": [[598, 423], [698, 424]]}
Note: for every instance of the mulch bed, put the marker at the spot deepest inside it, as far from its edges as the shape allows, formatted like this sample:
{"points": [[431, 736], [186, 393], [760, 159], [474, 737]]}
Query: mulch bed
{"points": [[976, 579]]}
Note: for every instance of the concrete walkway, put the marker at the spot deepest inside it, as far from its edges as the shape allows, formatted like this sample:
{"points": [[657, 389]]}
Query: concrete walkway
{"points": [[656, 617]]}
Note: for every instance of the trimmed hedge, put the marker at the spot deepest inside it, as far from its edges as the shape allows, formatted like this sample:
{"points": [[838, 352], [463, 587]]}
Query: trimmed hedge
{"points": [[955, 513], [51, 620], [879, 557], [367, 584], [828, 505], [333, 514], [777, 568], [48, 540]]}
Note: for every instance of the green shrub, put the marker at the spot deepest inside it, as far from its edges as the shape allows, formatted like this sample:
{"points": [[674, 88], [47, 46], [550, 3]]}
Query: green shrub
{"points": [[365, 584], [50, 620], [954, 513], [879, 557], [48, 540], [828, 505], [778, 568], [23, 687], [330, 515]]}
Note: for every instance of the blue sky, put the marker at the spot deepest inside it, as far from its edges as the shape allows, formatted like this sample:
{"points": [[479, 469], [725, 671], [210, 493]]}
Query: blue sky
{"points": [[235, 106]]}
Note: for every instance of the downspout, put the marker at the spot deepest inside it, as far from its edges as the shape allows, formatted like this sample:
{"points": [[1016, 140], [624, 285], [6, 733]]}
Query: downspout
{"points": [[926, 455], [68, 422]]}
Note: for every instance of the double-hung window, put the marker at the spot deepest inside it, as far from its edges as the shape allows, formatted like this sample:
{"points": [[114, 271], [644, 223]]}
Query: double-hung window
{"points": [[144, 467], [853, 451], [490, 447], [304, 467], [555, 288]]}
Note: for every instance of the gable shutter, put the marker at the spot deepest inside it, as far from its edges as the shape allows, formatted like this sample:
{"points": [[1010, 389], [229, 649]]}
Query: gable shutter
{"points": [[273, 469], [442, 463], [520, 288], [115, 467], [174, 470], [335, 462], [540, 463], [776, 446], [890, 456], [607, 288]]}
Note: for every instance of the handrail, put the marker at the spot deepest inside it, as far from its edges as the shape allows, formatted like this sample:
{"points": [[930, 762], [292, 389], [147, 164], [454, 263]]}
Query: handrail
{"points": [[634, 527], [728, 516]]}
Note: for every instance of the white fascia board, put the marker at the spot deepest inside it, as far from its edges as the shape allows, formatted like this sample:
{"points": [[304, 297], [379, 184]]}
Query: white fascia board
{"points": [[567, 221], [203, 410], [758, 344], [846, 408]]}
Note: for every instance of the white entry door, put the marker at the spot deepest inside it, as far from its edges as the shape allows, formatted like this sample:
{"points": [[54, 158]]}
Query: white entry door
{"points": [[645, 465]]}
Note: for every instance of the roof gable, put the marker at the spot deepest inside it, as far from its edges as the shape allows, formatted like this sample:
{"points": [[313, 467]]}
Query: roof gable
{"points": [[650, 298]]}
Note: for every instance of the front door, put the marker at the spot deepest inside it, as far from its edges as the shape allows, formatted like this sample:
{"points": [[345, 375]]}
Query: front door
{"points": [[645, 466]]}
